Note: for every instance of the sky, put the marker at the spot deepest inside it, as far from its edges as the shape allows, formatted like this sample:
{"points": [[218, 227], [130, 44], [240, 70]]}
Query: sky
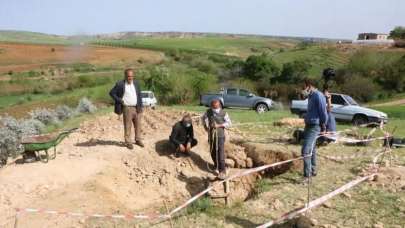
{"points": [[307, 18]]}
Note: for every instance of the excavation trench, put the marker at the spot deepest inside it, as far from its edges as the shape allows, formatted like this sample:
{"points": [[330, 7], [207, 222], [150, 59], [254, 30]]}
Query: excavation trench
{"points": [[242, 155]]}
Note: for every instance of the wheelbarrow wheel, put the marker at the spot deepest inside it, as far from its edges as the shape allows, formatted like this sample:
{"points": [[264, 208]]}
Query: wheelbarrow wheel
{"points": [[3, 161], [43, 157]]}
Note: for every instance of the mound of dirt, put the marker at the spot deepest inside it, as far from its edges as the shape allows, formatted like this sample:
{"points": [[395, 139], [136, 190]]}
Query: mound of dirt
{"points": [[391, 178], [94, 172], [290, 122], [262, 154]]}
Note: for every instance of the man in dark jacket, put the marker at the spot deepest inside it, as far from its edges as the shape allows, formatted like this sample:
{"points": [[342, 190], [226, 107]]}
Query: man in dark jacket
{"points": [[128, 101], [182, 136]]}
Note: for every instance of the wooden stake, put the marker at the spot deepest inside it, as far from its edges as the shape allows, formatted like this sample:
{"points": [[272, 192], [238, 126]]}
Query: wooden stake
{"points": [[167, 211], [16, 220]]}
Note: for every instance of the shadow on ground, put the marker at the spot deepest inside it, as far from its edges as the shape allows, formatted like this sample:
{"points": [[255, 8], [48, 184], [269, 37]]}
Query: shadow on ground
{"points": [[100, 142]]}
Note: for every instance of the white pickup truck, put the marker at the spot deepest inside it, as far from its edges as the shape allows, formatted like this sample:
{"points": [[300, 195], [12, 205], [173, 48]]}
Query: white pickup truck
{"points": [[345, 109]]}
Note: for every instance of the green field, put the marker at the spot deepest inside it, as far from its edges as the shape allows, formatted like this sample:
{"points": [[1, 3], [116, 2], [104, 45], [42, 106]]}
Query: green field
{"points": [[238, 46], [31, 37]]}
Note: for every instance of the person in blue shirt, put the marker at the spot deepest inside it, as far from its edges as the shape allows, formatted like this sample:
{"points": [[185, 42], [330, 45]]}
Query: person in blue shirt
{"points": [[331, 123], [315, 125]]}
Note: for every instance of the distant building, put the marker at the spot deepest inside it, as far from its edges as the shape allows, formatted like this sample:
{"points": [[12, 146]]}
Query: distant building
{"points": [[372, 36], [374, 39]]}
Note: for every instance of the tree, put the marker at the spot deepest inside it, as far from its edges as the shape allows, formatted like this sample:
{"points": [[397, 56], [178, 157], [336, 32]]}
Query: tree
{"points": [[294, 71], [398, 33], [259, 67]]}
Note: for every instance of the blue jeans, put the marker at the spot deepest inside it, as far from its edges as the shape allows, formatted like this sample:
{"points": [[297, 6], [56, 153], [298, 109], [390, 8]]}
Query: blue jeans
{"points": [[311, 133]]}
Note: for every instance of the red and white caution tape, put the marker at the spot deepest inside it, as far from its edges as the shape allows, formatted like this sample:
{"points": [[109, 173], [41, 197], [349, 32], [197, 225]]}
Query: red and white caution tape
{"points": [[80, 214], [316, 202]]}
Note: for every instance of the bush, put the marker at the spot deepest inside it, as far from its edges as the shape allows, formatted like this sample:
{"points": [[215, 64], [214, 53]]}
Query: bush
{"points": [[174, 84], [360, 88], [86, 106], [294, 71], [259, 67], [9, 144], [44, 115], [64, 112], [30, 127], [13, 131]]}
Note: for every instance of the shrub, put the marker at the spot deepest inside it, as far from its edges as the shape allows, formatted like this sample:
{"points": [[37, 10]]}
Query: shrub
{"points": [[13, 131], [46, 116], [9, 143], [86, 106], [360, 88], [64, 112], [200, 206], [30, 127], [294, 71], [259, 67]]}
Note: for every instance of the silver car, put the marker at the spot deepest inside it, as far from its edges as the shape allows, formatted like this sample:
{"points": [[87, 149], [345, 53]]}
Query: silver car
{"points": [[345, 109]]}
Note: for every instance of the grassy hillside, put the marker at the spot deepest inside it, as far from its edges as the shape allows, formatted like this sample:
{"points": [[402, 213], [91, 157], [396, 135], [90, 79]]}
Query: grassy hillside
{"points": [[237, 46], [320, 57], [31, 37]]}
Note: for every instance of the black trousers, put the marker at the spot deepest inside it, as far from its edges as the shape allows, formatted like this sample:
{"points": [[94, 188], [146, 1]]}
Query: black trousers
{"points": [[194, 143], [218, 154]]}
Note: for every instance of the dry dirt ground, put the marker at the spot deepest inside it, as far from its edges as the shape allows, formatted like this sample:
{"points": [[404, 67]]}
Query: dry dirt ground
{"points": [[94, 173], [24, 57]]}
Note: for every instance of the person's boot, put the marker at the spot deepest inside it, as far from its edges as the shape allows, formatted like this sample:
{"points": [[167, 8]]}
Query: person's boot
{"points": [[222, 175], [129, 146], [305, 181], [139, 143]]}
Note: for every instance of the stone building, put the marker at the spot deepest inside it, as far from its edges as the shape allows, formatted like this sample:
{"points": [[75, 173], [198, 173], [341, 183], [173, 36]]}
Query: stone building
{"points": [[372, 36]]}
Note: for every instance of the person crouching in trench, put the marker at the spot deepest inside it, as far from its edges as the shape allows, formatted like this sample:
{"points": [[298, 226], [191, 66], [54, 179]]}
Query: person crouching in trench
{"points": [[182, 136], [215, 120]]}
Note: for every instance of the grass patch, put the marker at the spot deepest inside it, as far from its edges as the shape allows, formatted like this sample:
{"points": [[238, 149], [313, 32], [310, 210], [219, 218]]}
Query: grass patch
{"points": [[396, 112], [202, 205], [241, 115]]}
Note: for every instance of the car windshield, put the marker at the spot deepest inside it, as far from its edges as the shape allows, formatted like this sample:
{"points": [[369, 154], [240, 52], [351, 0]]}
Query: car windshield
{"points": [[146, 95], [350, 100]]}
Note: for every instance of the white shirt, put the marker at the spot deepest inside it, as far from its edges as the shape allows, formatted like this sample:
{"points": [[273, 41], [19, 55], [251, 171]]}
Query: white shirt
{"points": [[130, 98]]}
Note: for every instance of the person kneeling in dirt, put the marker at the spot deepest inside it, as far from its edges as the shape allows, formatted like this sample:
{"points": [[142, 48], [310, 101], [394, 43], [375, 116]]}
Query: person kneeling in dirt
{"points": [[215, 121], [182, 136]]}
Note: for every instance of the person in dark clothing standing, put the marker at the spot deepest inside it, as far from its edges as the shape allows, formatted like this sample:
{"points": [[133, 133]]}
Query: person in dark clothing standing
{"points": [[315, 124], [331, 123], [215, 121], [128, 101], [182, 136]]}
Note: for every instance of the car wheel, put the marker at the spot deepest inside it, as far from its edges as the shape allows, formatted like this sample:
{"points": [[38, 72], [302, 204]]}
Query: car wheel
{"points": [[359, 120], [261, 108]]}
